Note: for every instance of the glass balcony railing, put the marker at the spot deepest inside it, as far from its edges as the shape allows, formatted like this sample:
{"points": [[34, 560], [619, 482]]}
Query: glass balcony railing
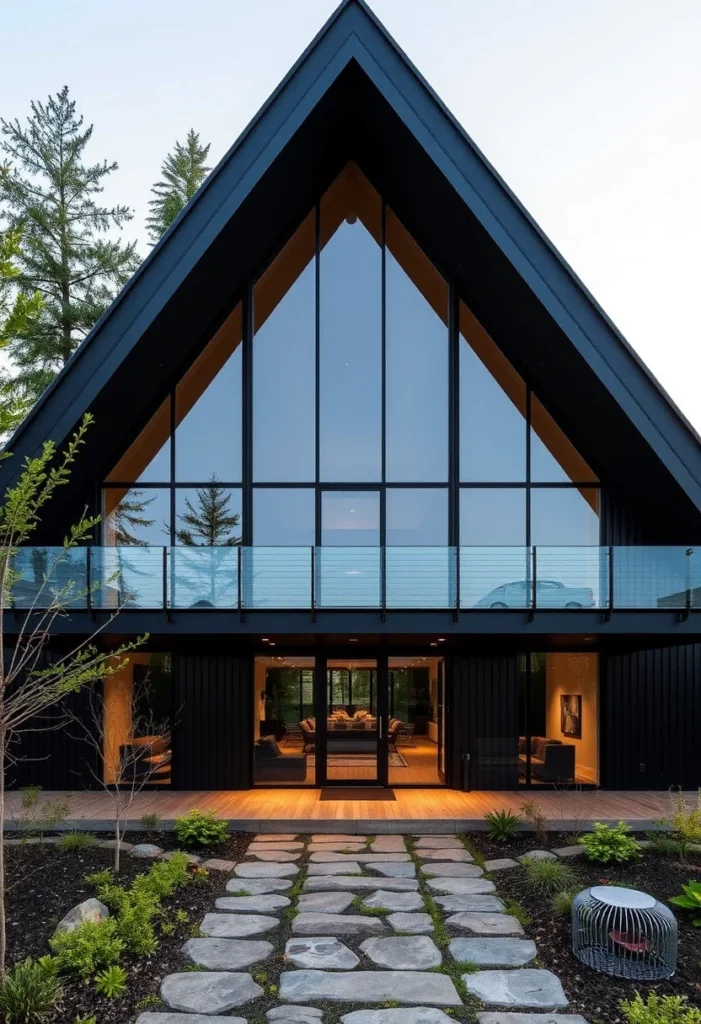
{"points": [[467, 578]]}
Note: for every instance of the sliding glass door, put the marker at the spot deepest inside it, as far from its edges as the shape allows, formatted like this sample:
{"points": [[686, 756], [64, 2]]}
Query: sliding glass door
{"points": [[352, 741]]}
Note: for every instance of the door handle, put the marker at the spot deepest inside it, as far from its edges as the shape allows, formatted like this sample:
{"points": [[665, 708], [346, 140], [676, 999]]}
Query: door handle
{"points": [[379, 727]]}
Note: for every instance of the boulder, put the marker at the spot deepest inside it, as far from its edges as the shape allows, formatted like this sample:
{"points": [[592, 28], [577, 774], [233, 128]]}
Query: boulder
{"points": [[89, 910]]}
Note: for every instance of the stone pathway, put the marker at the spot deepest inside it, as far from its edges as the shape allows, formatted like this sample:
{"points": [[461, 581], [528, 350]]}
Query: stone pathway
{"points": [[408, 921]]}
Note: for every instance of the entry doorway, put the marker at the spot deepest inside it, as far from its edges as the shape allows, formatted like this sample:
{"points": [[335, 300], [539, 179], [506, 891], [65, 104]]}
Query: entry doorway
{"points": [[340, 721]]}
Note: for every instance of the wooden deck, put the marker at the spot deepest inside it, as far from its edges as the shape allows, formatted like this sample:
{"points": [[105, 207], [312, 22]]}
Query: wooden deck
{"points": [[413, 810]]}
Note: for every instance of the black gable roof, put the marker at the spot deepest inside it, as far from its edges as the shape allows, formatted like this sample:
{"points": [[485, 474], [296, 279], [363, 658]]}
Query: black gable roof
{"points": [[354, 94]]}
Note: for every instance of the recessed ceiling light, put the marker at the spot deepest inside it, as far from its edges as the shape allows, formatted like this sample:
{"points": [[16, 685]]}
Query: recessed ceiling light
{"points": [[265, 639], [441, 639], [272, 644], [352, 639], [434, 645]]}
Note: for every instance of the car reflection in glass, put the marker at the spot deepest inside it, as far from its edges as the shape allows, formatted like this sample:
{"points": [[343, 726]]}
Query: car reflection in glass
{"points": [[549, 594]]}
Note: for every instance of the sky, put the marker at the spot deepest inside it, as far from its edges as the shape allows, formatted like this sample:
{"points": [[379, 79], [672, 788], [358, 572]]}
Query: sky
{"points": [[589, 109]]}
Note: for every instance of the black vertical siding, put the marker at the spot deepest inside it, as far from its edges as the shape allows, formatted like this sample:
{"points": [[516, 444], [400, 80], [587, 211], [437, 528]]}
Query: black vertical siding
{"points": [[650, 716], [484, 721], [213, 712]]}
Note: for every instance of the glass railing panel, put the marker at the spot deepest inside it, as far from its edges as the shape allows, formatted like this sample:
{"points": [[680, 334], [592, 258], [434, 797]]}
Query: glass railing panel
{"points": [[127, 577], [418, 577], [694, 556], [347, 577], [571, 577], [206, 577], [49, 577], [495, 577], [276, 577], [651, 577]]}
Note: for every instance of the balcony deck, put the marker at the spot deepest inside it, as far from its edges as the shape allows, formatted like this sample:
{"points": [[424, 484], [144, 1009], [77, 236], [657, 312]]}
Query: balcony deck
{"points": [[412, 810]]}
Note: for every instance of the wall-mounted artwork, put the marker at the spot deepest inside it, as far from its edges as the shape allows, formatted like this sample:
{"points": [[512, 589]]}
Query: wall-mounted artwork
{"points": [[571, 715]]}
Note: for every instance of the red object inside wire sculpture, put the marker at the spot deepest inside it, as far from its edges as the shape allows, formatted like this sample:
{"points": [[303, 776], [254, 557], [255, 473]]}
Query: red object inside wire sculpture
{"points": [[630, 941]]}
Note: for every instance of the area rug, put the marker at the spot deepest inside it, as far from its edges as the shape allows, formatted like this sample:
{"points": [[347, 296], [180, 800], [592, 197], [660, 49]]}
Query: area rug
{"points": [[357, 793], [357, 761]]}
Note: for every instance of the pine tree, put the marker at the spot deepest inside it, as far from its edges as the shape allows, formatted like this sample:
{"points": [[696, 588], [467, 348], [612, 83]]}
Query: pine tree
{"points": [[17, 311], [211, 522], [49, 193], [183, 172]]}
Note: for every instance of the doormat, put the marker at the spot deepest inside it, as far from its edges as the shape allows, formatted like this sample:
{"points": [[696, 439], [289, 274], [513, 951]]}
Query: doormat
{"points": [[357, 761], [359, 793]]}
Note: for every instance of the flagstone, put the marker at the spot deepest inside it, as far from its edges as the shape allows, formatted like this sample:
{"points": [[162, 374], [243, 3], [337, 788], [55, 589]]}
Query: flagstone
{"points": [[403, 952], [325, 902], [536, 855], [393, 870], [486, 924], [501, 952], [276, 870], [356, 847], [331, 857], [417, 924], [208, 991], [461, 886], [576, 851], [186, 1018], [525, 988], [404, 1015], [265, 904], [315, 870], [409, 987], [303, 1014], [236, 926], [439, 843], [445, 855], [471, 904], [314, 924], [217, 864], [397, 901], [500, 864], [291, 845], [323, 952], [340, 883], [227, 954], [274, 837], [497, 1017], [452, 870], [257, 886], [277, 856], [339, 837]]}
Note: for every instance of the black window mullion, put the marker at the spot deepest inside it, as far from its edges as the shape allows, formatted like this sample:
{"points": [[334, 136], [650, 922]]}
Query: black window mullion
{"points": [[172, 468], [383, 335], [453, 417], [247, 417]]}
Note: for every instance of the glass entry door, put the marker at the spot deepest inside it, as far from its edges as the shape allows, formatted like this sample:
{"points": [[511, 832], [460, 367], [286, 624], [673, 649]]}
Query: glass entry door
{"points": [[351, 747]]}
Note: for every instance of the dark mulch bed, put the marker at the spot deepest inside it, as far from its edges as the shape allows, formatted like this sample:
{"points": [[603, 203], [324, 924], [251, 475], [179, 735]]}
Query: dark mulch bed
{"points": [[44, 883], [596, 996]]}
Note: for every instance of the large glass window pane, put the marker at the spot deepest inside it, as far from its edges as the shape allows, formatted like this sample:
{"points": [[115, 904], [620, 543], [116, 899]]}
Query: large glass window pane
{"points": [[492, 516], [137, 709], [565, 516], [416, 362], [147, 460], [283, 516], [208, 516], [208, 410], [350, 518], [351, 330], [284, 364], [284, 728], [492, 409], [417, 516], [553, 458], [136, 517]]}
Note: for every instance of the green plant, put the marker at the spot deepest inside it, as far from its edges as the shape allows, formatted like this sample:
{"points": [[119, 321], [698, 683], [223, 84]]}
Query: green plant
{"points": [[546, 877], [152, 1002], [610, 844], [182, 916], [200, 828], [36, 817], [660, 1010], [683, 821], [29, 993], [112, 982], [514, 908], [150, 822], [88, 949], [691, 900], [167, 927], [73, 841], [99, 878], [92, 1019], [501, 825], [534, 815], [561, 903]]}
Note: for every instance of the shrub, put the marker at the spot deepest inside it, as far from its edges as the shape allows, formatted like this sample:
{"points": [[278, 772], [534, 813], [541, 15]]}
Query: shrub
{"points": [[150, 822], [660, 1010], [501, 825], [610, 843], [35, 817], [88, 949], [533, 814], [99, 878], [200, 828], [691, 900], [112, 983], [29, 993], [72, 841], [92, 1019], [683, 822], [561, 903], [546, 877]]}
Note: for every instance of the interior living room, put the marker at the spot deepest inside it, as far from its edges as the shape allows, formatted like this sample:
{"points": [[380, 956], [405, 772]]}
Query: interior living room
{"points": [[286, 732]]}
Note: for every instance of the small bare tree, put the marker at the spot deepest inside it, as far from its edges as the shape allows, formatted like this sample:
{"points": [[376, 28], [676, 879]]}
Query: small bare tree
{"points": [[29, 686], [122, 769]]}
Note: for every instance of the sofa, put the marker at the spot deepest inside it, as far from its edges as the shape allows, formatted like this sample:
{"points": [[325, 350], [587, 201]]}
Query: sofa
{"points": [[272, 765], [551, 760]]}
